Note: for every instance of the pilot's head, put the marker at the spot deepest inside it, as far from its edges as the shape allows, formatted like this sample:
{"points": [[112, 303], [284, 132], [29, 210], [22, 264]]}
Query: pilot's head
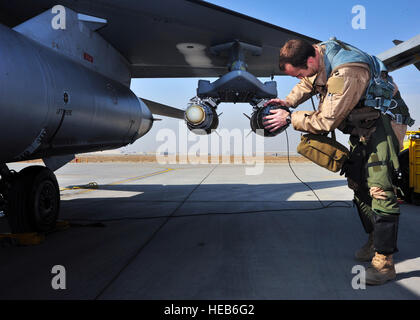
{"points": [[299, 59]]}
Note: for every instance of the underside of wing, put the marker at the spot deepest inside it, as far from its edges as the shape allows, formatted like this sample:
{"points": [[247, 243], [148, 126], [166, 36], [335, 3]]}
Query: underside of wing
{"points": [[403, 54], [171, 38]]}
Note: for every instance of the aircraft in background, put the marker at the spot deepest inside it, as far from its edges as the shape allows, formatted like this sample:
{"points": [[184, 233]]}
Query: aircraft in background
{"points": [[66, 68]]}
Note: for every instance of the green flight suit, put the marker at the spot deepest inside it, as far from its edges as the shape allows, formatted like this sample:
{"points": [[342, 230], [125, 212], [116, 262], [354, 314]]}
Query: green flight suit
{"points": [[373, 163]]}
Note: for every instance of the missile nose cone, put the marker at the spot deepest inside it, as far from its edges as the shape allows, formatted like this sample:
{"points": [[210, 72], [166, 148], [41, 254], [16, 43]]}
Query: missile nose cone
{"points": [[195, 114]]}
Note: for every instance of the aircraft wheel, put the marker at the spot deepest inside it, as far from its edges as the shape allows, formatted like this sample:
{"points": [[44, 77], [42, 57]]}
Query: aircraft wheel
{"points": [[33, 201]]}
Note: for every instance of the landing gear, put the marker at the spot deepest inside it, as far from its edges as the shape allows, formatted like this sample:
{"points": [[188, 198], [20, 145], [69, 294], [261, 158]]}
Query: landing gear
{"points": [[32, 199]]}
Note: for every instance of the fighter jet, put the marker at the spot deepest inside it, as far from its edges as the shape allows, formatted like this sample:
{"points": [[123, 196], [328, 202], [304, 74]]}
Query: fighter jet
{"points": [[65, 73]]}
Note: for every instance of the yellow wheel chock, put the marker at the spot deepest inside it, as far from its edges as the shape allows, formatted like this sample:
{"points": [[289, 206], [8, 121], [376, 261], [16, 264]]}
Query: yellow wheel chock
{"points": [[31, 238]]}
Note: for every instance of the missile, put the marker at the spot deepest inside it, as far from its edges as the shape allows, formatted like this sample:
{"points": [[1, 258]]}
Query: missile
{"points": [[201, 117], [257, 120]]}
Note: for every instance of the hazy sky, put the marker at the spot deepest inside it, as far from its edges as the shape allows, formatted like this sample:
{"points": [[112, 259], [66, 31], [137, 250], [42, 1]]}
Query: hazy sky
{"points": [[385, 21]]}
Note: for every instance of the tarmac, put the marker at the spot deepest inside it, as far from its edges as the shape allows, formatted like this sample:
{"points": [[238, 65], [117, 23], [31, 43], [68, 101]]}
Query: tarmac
{"points": [[146, 231]]}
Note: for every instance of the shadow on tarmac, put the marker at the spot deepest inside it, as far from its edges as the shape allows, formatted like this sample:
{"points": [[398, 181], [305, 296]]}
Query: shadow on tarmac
{"points": [[221, 241]]}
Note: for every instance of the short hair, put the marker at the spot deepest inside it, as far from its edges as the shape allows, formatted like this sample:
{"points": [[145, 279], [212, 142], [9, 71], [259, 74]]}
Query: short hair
{"points": [[296, 52]]}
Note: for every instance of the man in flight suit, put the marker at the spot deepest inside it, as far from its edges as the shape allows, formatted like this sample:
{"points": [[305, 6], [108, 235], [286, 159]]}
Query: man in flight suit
{"points": [[373, 144]]}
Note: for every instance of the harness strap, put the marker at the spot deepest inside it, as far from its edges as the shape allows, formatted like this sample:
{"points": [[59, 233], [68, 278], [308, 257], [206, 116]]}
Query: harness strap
{"points": [[401, 119], [378, 94], [376, 164]]}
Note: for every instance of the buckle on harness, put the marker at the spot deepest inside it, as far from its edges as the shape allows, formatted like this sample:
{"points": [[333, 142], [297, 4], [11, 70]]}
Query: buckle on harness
{"points": [[384, 105], [395, 104], [379, 102], [399, 118], [390, 114], [380, 105]]}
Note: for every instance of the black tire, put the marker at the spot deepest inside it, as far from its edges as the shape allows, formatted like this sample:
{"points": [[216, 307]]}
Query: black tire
{"points": [[33, 201]]}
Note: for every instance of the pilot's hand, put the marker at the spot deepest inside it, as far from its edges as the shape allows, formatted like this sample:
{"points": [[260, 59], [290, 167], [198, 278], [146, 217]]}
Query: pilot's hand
{"points": [[276, 102], [276, 120]]}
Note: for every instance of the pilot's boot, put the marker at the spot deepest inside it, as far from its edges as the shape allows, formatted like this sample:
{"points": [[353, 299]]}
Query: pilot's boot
{"points": [[381, 270], [367, 252]]}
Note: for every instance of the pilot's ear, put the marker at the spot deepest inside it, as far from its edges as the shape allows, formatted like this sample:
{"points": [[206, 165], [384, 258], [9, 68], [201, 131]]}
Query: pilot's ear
{"points": [[310, 61]]}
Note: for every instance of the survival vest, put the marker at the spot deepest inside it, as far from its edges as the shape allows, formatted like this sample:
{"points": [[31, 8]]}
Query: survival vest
{"points": [[380, 90]]}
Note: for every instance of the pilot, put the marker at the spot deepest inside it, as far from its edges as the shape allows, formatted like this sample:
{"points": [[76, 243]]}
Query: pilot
{"points": [[337, 73]]}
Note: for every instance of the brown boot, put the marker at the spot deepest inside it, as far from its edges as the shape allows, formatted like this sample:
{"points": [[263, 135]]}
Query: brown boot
{"points": [[381, 270], [366, 253]]}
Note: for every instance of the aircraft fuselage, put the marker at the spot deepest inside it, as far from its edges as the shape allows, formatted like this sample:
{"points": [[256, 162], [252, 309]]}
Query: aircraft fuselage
{"points": [[51, 105]]}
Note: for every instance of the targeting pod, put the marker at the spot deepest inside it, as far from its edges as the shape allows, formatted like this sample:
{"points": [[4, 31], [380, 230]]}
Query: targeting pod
{"points": [[257, 119], [201, 116]]}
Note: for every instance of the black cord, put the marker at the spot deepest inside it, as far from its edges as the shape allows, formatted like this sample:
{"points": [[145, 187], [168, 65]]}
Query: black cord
{"points": [[196, 215], [172, 216], [313, 104], [290, 166]]}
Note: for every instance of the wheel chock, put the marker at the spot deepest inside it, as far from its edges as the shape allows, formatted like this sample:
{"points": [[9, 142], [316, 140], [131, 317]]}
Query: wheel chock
{"points": [[23, 239], [31, 238]]}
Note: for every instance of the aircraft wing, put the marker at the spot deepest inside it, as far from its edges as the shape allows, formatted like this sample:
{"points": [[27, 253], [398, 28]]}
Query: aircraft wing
{"points": [[403, 54], [170, 38]]}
